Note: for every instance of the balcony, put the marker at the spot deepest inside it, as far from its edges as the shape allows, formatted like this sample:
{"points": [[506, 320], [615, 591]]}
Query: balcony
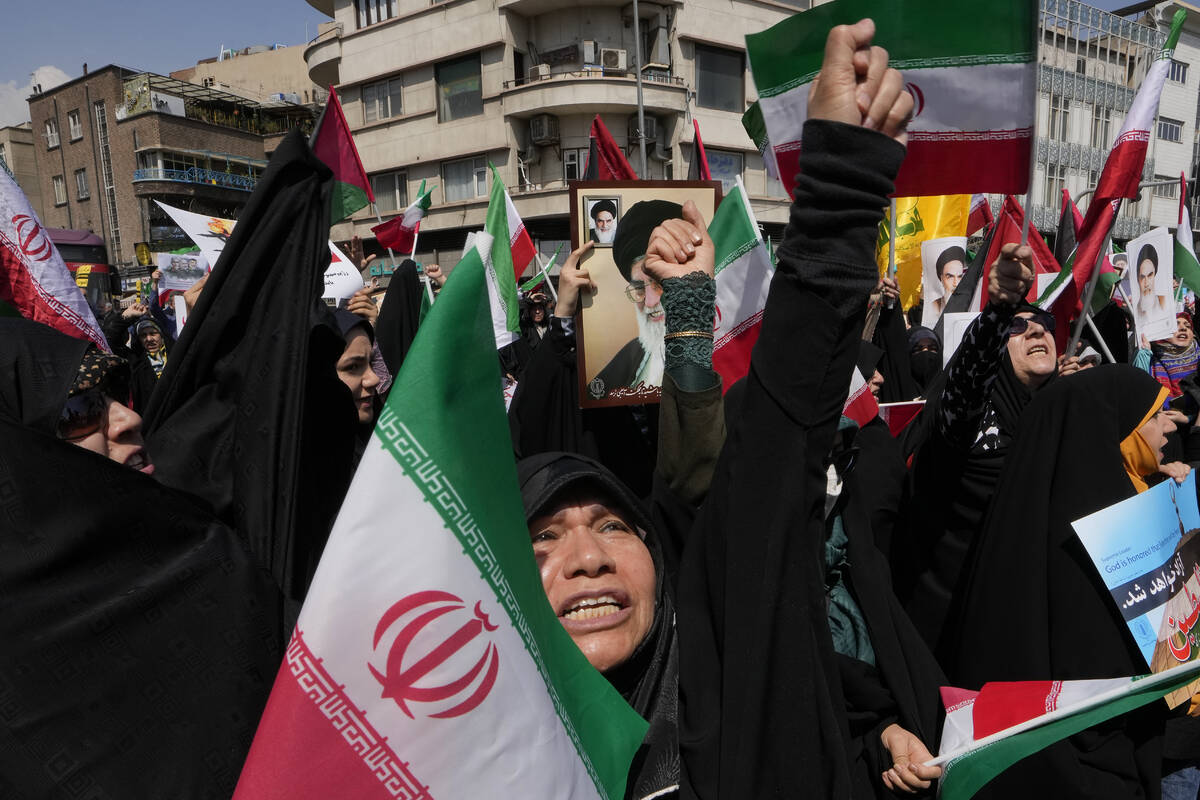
{"points": [[324, 55], [198, 176], [592, 92], [324, 6]]}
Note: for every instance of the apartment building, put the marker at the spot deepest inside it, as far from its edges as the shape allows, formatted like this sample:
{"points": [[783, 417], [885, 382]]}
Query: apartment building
{"points": [[17, 157], [438, 91]]}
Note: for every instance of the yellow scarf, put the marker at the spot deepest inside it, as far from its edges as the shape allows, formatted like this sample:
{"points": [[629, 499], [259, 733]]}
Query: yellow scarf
{"points": [[1137, 455]]}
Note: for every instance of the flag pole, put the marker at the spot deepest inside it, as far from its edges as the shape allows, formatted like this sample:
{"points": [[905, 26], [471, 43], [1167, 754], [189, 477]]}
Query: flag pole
{"points": [[891, 244], [413, 257], [1087, 296], [379, 219]]}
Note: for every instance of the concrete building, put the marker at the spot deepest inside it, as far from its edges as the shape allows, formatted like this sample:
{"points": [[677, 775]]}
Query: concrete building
{"points": [[109, 143], [436, 91], [17, 156], [265, 74]]}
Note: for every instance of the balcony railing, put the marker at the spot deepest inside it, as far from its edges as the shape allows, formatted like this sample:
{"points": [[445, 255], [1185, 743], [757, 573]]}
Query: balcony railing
{"points": [[657, 77], [206, 177]]}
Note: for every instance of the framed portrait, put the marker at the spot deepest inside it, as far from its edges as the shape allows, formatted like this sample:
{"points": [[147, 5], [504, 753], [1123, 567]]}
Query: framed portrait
{"points": [[603, 216], [943, 264], [620, 327]]}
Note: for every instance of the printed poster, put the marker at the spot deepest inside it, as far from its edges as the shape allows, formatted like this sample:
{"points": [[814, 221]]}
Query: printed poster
{"points": [[1152, 264], [1147, 550]]}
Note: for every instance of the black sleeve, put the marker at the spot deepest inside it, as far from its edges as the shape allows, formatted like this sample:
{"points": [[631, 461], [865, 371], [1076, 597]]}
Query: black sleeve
{"points": [[970, 375], [544, 414], [753, 632]]}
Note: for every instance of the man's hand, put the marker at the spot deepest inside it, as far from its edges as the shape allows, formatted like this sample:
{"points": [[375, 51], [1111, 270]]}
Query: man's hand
{"points": [[192, 293], [571, 281], [1011, 275], [360, 303], [1175, 469], [356, 254], [155, 277], [435, 274], [135, 310], [680, 246], [888, 288], [856, 86], [909, 754], [1068, 366]]}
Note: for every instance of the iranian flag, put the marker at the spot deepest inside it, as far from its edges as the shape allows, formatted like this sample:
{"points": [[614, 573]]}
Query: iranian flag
{"points": [[743, 275], [756, 129], [980, 215], [988, 731], [498, 261], [1122, 170], [400, 233], [1187, 269], [860, 406], [426, 662], [333, 144], [34, 281], [518, 239], [969, 66]]}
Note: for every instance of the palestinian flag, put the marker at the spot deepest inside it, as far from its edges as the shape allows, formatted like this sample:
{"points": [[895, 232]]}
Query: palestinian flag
{"points": [[605, 161], [34, 281], [426, 662], [1187, 270], [698, 170], [333, 144], [1122, 170], [969, 66], [743, 274], [498, 260], [400, 233], [988, 731]]}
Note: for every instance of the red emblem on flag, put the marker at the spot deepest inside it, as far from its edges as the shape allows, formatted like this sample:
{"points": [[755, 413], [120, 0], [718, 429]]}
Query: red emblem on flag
{"points": [[32, 238], [918, 98], [417, 664]]}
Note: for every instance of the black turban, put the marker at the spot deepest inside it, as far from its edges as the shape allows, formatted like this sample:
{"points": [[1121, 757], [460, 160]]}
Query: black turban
{"points": [[603, 205], [952, 253], [633, 234]]}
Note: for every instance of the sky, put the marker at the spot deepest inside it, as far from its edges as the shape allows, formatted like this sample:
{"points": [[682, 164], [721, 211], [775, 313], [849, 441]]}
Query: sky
{"points": [[55, 40]]}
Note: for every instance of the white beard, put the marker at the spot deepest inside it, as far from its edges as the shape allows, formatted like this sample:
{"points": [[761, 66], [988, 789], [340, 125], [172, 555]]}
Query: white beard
{"points": [[605, 237], [651, 336], [1147, 304]]}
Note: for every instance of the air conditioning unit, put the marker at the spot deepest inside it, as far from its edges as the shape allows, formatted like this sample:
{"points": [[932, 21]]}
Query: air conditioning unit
{"points": [[543, 129], [614, 60], [591, 52], [651, 130], [538, 72]]}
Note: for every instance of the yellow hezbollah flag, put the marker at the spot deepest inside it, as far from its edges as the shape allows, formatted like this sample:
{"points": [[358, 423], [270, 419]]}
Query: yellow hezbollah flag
{"points": [[918, 219]]}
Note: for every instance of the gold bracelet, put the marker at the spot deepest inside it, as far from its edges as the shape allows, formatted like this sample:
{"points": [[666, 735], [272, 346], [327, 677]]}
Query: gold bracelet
{"points": [[685, 334]]}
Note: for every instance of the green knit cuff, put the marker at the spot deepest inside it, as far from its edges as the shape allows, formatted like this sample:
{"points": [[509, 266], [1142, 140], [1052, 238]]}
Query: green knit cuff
{"points": [[689, 302]]}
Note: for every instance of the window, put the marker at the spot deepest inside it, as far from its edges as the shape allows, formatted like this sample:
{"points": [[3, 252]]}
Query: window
{"points": [[60, 190], [52, 134], [574, 163], [460, 90], [466, 179], [3, 159], [1081, 66], [1169, 190], [725, 167], [74, 125], [1170, 130], [1056, 180], [390, 190], [720, 81], [372, 11], [1060, 117], [1177, 72], [81, 184], [1101, 125], [381, 100]]}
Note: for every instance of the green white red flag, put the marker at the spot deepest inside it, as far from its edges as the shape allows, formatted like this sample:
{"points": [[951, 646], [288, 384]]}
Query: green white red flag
{"points": [[334, 145], [1122, 170], [756, 129], [988, 731], [743, 276], [498, 260], [980, 215], [427, 662], [34, 280], [969, 66], [518, 239], [1187, 269], [400, 233]]}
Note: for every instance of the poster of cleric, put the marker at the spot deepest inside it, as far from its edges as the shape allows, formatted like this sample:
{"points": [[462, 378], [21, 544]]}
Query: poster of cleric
{"points": [[1147, 552], [622, 325]]}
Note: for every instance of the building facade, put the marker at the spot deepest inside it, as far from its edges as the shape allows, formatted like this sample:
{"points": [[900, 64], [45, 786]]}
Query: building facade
{"points": [[109, 143], [439, 91], [263, 73], [17, 156]]}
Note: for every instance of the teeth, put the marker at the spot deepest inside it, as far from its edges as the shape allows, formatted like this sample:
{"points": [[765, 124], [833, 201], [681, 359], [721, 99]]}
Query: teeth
{"points": [[593, 607]]}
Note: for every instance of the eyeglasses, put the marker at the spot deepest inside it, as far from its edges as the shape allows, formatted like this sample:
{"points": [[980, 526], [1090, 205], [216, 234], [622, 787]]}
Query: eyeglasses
{"points": [[1021, 324], [87, 413], [636, 290]]}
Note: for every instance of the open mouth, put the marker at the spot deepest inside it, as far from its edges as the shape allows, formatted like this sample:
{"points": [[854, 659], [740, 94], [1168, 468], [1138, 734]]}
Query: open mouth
{"points": [[141, 463], [1038, 349], [592, 608]]}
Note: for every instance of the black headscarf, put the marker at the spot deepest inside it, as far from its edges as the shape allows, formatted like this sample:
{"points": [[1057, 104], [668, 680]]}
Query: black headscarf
{"points": [[633, 234], [1030, 578], [649, 680], [926, 364], [140, 641], [400, 315]]}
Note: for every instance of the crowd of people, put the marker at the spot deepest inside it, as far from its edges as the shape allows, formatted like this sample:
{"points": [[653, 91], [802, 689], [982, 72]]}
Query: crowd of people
{"points": [[777, 589]]}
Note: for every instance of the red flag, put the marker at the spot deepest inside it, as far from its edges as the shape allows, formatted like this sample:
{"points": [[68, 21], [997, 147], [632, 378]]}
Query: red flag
{"points": [[333, 144], [698, 171], [1008, 229], [606, 162], [980, 215]]}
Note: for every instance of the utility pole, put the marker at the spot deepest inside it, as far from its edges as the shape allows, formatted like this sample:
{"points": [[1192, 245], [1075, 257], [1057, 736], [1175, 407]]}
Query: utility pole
{"points": [[637, 68]]}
